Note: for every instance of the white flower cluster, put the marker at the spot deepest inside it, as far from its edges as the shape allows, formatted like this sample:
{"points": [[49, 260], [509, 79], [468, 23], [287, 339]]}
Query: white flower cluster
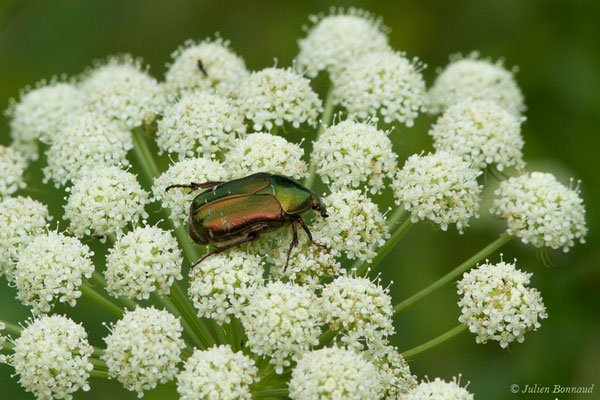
{"points": [[199, 124], [143, 261], [338, 39], [274, 96], [541, 211], [281, 321], [263, 152], [217, 373], [90, 141], [470, 78], [224, 69], [221, 285], [144, 349], [12, 167], [496, 303], [350, 153], [334, 373], [439, 389], [43, 112], [51, 268], [383, 83], [394, 372], [3, 357], [122, 90], [51, 358], [481, 132], [21, 219], [440, 187], [359, 308], [355, 226], [104, 200], [183, 172]]}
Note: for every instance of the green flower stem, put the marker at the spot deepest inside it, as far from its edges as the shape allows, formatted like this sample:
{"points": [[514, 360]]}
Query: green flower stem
{"points": [[98, 352], [101, 300], [188, 314], [189, 335], [99, 279], [434, 342], [452, 275], [326, 338], [99, 374], [144, 156], [267, 393], [325, 121], [98, 364], [234, 334], [384, 250], [395, 217], [11, 329], [190, 251]]}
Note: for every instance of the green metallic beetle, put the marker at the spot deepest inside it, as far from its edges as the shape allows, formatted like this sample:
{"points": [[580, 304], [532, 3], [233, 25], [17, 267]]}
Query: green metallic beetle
{"points": [[241, 209]]}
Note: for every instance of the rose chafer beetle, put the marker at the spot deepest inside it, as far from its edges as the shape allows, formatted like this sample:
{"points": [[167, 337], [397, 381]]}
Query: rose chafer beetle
{"points": [[237, 211]]}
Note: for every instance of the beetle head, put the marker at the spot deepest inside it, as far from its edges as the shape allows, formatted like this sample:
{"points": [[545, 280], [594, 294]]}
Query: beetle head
{"points": [[318, 205]]}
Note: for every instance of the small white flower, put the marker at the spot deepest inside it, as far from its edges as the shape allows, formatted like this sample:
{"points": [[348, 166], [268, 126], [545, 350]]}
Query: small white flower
{"points": [[541, 211], [178, 200], [355, 226], [470, 78], [144, 349], [122, 90], [199, 124], [44, 111], [394, 372], [3, 357], [334, 373], [28, 148], [263, 152], [383, 83], [481, 132], [350, 153], [104, 200], [438, 390], [221, 285], [12, 167], [51, 268], [224, 69], [21, 219], [143, 261], [217, 373], [51, 358], [338, 39], [90, 141], [281, 321], [496, 303], [439, 187], [358, 308], [274, 96]]}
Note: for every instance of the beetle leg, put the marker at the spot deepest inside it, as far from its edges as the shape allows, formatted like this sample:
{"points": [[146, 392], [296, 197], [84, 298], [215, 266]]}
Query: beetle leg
{"points": [[303, 224], [251, 236], [293, 244], [194, 185]]}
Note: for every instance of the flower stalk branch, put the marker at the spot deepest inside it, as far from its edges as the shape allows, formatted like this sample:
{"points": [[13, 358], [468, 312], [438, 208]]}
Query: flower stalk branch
{"points": [[409, 354]]}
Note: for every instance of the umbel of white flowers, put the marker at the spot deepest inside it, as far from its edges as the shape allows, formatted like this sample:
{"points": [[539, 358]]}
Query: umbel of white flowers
{"points": [[246, 326]]}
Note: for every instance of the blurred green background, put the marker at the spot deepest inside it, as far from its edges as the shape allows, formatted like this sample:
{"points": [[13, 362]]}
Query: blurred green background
{"points": [[556, 45]]}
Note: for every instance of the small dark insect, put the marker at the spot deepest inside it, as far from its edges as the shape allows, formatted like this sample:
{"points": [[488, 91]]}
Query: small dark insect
{"points": [[241, 209], [201, 67]]}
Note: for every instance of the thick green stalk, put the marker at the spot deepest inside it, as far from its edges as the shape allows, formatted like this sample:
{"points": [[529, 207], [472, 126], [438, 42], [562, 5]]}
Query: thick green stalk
{"points": [[189, 315], [326, 337], [452, 275], [101, 300], [234, 334], [384, 250], [325, 121], [434, 342], [99, 374], [98, 364], [144, 156]]}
